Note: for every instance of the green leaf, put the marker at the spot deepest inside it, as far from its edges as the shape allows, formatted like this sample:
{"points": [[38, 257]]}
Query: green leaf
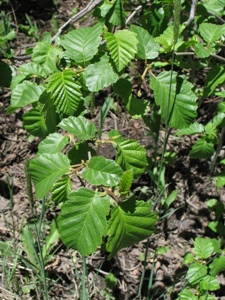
{"points": [[51, 240], [100, 75], [166, 39], [203, 248], [102, 171], [215, 6], [46, 169], [7, 71], [218, 119], [136, 108], [122, 46], [217, 227], [46, 54], [24, 94], [110, 281], [196, 272], [126, 182], [211, 32], [80, 127], [209, 283], [35, 69], [220, 179], [217, 266], [131, 221], [34, 123], [29, 243], [123, 87], [147, 46], [180, 108], [82, 222], [53, 143], [82, 44], [113, 13], [194, 128], [162, 250], [80, 151], [188, 258], [187, 295], [65, 91], [202, 149], [202, 51], [215, 77], [6, 37], [131, 155], [61, 190]]}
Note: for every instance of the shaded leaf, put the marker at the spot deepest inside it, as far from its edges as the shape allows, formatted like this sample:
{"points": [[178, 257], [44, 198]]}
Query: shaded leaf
{"points": [[7, 71], [202, 149], [34, 123], [130, 222]]}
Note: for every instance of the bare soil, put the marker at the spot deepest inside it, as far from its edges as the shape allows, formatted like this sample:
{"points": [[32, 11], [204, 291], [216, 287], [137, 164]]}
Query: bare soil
{"points": [[190, 177]]}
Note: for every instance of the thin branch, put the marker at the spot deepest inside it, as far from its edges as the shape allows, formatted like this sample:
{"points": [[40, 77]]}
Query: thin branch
{"points": [[133, 14], [192, 53], [192, 12], [91, 5]]}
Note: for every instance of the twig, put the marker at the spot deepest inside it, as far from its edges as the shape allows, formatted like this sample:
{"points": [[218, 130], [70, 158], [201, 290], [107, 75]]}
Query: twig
{"points": [[192, 53], [91, 5], [133, 14], [192, 12]]}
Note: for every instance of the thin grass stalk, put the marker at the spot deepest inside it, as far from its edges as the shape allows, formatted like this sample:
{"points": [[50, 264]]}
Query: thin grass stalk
{"points": [[84, 271], [38, 230], [177, 10]]}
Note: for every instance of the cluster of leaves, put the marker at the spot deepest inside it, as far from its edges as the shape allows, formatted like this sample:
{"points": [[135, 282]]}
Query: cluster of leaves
{"points": [[59, 86], [202, 269]]}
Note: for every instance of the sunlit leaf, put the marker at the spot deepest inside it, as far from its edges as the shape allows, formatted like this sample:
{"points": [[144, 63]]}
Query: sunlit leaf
{"points": [[102, 171], [176, 99], [82, 222], [80, 127], [65, 91], [203, 248], [196, 272], [46, 169], [53, 143], [100, 75], [147, 46], [82, 44], [122, 46]]}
